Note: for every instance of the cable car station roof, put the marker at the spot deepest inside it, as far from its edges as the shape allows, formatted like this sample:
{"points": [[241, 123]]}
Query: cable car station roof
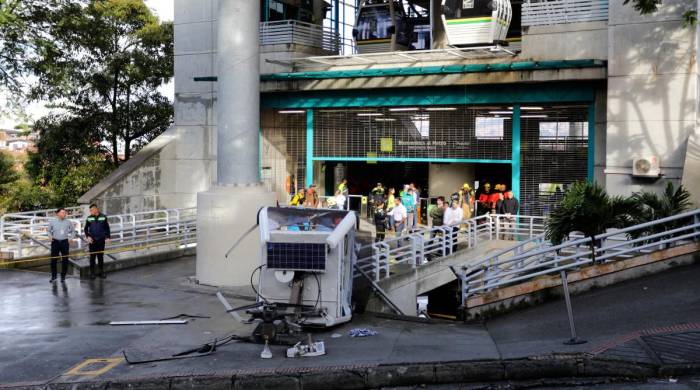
{"points": [[399, 57]]}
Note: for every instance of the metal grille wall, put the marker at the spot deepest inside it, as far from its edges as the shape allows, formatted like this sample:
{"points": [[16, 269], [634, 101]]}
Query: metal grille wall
{"points": [[437, 132], [554, 154], [283, 149]]}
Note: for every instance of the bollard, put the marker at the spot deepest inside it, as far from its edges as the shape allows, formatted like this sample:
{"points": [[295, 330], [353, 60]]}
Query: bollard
{"points": [[574, 340]]}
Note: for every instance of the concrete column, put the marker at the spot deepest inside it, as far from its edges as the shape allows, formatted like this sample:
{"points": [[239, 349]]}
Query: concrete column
{"points": [[238, 56], [228, 210]]}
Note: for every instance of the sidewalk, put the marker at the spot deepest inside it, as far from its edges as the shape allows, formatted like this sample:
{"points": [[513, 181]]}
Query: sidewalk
{"points": [[48, 333]]}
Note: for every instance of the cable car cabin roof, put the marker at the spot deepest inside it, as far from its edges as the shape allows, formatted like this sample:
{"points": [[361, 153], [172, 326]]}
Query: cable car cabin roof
{"points": [[453, 9]]}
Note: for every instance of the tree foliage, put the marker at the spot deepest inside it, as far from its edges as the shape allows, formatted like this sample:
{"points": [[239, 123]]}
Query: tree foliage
{"points": [[8, 174], [652, 206], [646, 7]]}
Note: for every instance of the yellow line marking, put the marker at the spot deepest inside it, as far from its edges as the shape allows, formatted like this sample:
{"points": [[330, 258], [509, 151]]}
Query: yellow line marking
{"points": [[108, 364]]}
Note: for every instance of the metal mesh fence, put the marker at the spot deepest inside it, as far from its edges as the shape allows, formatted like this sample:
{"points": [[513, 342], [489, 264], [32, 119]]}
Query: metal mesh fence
{"points": [[284, 149], [554, 154], [438, 132]]}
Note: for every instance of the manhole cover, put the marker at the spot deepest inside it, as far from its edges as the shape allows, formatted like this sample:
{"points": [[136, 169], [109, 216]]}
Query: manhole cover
{"points": [[675, 348]]}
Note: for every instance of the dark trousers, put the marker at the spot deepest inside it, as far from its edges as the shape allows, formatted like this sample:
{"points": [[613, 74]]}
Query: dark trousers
{"points": [[59, 248], [99, 247], [380, 233]]}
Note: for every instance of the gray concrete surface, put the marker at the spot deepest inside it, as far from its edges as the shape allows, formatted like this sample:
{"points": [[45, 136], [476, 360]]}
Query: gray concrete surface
{"points": [[45, 330]]}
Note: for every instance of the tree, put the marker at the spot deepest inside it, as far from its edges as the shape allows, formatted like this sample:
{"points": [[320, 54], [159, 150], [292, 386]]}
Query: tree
{"points": [[651, 206], [8, 174], [588, 209], [646, 7], [112, 75]]}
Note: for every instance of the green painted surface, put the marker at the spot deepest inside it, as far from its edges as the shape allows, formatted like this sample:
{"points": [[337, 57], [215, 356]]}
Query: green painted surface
{"points": [[309, 147], [515, 152], [478, 94], [469, 21], [591, 142], [414, 159], [434, 70]]}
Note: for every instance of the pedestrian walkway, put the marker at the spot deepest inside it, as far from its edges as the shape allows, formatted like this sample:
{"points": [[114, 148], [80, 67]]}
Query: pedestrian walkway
{"points": [[49, 333]]}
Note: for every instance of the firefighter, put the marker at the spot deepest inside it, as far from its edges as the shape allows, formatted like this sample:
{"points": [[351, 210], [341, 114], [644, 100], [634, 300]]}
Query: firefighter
{"points": [[98, 234]]}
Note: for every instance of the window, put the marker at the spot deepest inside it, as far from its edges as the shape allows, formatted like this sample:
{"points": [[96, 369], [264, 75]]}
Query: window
{"points": [[489, 128]]}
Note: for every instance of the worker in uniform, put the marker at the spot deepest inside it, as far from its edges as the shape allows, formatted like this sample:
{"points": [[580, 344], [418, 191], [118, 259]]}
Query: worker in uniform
{"points": [[60, 231], [380, 221], [376, 197], [311, 199], [465, 197], [343, 187], [299, 198], [483, 206], [97, 233], [493, 199]]}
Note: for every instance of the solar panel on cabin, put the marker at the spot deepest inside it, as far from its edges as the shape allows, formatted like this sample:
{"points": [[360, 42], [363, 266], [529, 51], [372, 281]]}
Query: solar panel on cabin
{"points": [[296, 256]]}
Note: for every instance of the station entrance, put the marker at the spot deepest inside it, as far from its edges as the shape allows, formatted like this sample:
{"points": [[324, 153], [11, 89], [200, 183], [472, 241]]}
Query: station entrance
{"points": [[433, 179]]}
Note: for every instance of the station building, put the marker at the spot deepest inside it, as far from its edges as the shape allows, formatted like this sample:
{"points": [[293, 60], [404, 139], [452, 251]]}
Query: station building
{"points": [[568, 94]]}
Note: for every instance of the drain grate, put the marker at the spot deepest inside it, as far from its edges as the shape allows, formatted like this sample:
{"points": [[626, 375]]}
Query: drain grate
{"points": [[675, 348]]}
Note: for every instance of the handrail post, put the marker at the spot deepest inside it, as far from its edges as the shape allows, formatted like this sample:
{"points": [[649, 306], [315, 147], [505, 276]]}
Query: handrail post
{"points": [[574, 340]]}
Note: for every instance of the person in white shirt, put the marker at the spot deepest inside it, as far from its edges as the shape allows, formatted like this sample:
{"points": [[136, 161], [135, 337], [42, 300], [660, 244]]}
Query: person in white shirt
{"points": [[453, 217], [399, 216], [340, 200]]}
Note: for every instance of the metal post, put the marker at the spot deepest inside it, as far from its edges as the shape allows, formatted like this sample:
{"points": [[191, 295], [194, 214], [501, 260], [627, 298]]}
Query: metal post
{"points": [[574, 340]]}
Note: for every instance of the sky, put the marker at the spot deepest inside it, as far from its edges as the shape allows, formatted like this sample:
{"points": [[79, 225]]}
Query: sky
{"points": [[162, 8]]}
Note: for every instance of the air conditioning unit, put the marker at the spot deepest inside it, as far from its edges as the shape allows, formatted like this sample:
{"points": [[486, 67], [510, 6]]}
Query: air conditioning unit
{"points": [[646, 167]]}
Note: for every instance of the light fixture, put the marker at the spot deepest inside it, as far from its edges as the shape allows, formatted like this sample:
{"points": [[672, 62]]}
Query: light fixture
{"points": [[529, 108], [501, 112], [533, 116], [292, 112], [401, 109], [370, 114], [441, 109], [385, 120]]}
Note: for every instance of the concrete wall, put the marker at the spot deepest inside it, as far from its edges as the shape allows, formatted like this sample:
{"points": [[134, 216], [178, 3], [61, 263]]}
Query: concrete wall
{"points": [[651, 93], [570, 41], [444, 179]]}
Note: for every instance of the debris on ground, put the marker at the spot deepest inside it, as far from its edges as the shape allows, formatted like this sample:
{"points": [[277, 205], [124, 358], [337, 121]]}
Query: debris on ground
{"points": [[361, 332]]}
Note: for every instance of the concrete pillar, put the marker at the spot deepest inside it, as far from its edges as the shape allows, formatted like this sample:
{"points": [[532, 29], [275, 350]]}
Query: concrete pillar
{"points": [[227, 211], [238, 56]]}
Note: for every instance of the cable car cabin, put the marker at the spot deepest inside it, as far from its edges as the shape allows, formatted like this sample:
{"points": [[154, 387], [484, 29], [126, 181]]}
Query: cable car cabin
{"points": [[476, 22], [381, 26]]}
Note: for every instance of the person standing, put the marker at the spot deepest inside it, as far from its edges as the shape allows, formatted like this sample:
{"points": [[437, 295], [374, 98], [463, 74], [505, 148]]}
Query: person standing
{"points": [[409, 204], [340, 200], [98, 234], [380, 220], [483, 206], [60, 231], [343, 186], [466, 200], [437, 215], [311, 199], [376, 197], [390, 205], [399, 215], [509, 208], [416, 203], [453, 217], [299, 198]]}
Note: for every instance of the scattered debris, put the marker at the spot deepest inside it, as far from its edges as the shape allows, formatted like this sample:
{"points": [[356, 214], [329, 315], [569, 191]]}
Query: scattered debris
{"points": [[152, 322], [361, 332], [184, 315], [314, 349], [336, 335], [266, 353]]}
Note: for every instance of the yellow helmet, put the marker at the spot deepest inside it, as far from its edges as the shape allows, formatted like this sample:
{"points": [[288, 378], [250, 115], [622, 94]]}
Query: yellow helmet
{"points": [[466, 186]]}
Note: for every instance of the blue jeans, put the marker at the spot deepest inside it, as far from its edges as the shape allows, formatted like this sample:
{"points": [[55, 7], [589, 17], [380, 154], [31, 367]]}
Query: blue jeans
{"points": [[399, 228]]}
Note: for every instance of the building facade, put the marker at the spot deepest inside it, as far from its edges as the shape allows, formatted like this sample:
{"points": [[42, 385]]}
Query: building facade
{"points": [[580, 97]]}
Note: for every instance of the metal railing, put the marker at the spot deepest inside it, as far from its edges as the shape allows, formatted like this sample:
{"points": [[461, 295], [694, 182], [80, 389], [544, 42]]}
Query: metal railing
{"points": [[575, 253], [548, 12], [24, 236], [416, 247], [300, 33]]}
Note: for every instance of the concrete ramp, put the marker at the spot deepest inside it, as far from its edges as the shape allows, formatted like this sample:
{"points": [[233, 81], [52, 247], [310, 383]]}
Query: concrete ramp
{"points": [[406, 283]]}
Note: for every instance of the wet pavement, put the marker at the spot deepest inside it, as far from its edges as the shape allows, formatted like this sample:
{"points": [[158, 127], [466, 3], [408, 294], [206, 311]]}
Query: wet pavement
{"points": [[46, 330]]}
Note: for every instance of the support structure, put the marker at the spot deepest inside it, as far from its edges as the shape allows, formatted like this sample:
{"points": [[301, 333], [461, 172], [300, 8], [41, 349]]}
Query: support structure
{"points": [[227, 212]]}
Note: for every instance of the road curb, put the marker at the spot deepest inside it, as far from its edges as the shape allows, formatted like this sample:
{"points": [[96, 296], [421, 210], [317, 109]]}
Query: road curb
{"points": [[363, 377]]}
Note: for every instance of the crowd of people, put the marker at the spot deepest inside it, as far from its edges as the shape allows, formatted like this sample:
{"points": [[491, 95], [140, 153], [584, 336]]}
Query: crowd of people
{"points": [[399, 213]]}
